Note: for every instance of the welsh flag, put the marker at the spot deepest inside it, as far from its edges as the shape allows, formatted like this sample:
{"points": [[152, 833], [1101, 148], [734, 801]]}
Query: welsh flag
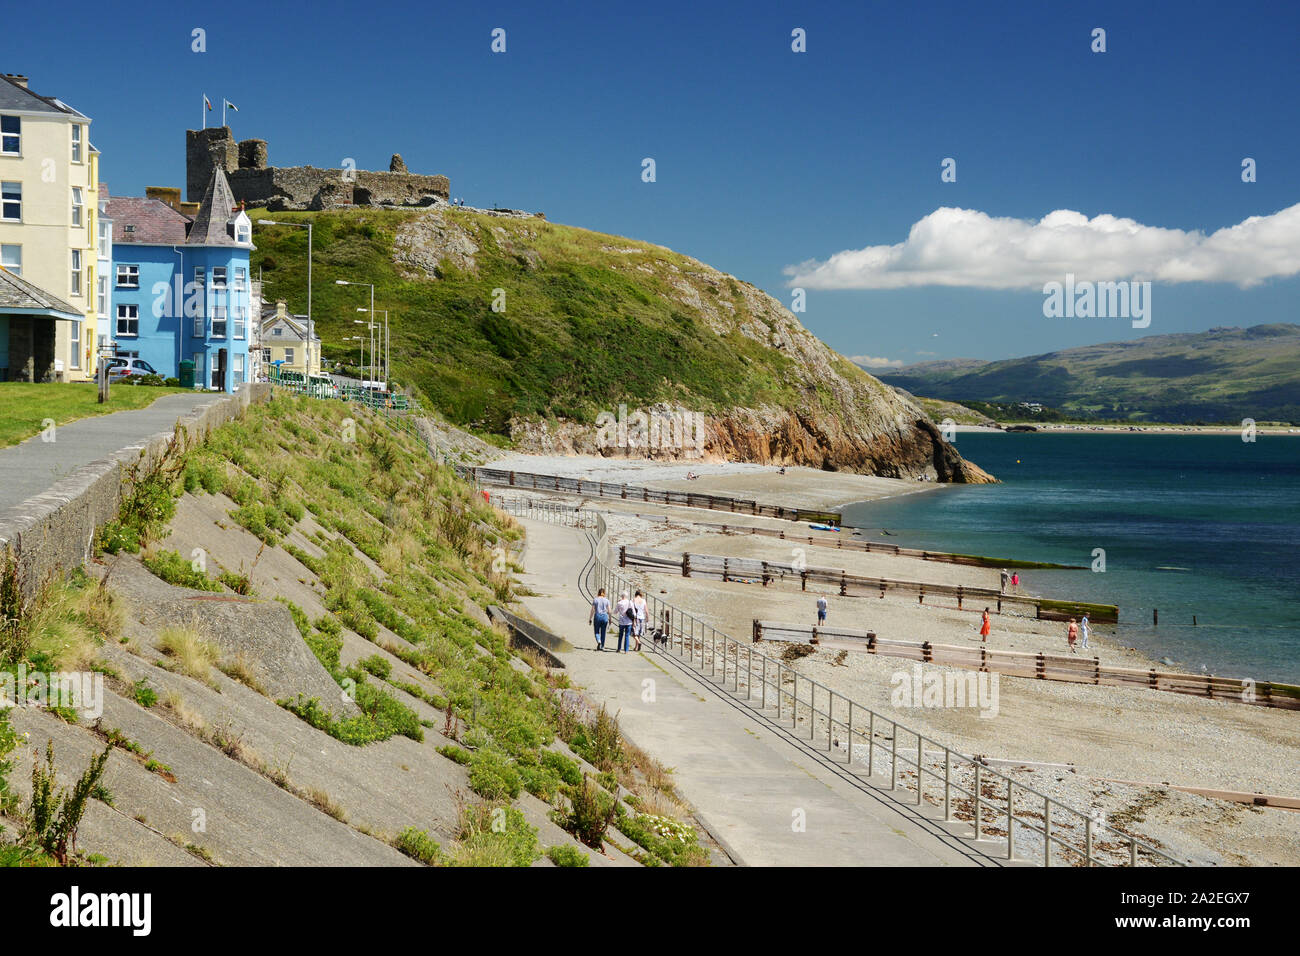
{"points": [[207, 102]]}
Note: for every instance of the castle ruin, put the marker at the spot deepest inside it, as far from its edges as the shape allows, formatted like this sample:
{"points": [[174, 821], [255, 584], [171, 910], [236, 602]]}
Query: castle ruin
{"points": [[256, 183]]}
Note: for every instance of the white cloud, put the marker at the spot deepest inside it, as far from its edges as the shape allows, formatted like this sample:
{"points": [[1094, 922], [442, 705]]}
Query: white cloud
{"points": [[870, 361], [966, 247]]}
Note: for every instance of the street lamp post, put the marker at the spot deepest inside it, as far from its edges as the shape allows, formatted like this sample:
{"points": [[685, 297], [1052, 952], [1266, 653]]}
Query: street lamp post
{"points": [[385, 351], [372, 311], [310, 323]]}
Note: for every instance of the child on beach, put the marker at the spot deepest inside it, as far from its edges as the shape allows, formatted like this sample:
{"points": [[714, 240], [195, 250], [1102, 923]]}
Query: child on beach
{"points": [[1083, 631], [599, 617], [822, 606], [1015, 582], [985, 627], [1071, 635]]}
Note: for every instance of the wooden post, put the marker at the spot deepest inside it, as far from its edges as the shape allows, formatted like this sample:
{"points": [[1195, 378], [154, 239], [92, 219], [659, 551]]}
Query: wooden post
{"points": [[725, 572], [844, 587], [686, 565], [1040, 666], [512, 479], [920, 595], [999, 603], [1155, 617], [803, 578], [622, 555], [927, 652], [758, 630], [959, 597]]}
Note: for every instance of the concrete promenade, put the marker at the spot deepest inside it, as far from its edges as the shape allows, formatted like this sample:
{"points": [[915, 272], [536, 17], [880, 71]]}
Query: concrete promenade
{"points": [[752, 786], [35, 466]]}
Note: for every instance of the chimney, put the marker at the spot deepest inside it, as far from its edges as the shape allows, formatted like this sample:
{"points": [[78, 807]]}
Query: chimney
{"points": [[17, 79]]}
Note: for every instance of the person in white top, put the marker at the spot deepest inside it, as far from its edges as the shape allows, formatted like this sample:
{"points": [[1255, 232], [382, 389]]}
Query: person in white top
{"points": [[623, 611], [638, 618]]}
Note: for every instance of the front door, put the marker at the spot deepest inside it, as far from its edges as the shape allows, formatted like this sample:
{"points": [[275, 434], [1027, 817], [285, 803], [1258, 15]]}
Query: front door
{"points": [[219, 371]]}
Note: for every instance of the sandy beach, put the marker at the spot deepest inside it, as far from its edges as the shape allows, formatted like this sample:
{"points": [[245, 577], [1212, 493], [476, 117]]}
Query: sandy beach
{"points": [[1104, 734]]}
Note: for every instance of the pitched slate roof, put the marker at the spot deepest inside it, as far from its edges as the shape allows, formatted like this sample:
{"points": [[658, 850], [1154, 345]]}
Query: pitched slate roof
{"points": [[214, 215], [156, 223], [19, 295], [14, 96]]}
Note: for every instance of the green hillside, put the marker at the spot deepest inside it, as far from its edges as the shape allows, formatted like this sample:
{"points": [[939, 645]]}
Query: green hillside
{"points": [[1223, 375], [590, 320]]}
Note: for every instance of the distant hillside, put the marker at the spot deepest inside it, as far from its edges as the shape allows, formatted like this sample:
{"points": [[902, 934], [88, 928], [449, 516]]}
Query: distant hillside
{"points": [[586, 322], [1223, 375]]}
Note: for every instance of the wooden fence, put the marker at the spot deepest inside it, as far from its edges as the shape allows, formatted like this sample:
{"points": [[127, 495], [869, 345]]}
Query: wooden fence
{"points": [[1071, 668], [846, 542], [755, 571], [604, 489]]}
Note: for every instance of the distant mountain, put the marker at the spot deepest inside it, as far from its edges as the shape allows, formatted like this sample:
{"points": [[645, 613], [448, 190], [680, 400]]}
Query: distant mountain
{"points": [[1225, 374]]}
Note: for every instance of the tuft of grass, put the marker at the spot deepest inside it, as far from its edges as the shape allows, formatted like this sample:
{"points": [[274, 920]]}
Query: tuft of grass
{"points": [[418, 845], [174, 569], [565, 854], [191, 654]]}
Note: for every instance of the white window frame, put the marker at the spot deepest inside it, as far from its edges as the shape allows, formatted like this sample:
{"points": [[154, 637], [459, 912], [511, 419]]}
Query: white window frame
{"points": [[241, 322], [128, 313], [78, 206], [76, 142], [288, 355], [105, 232], [18, 151], [132, 275], [219, 327], [102, 297], [237, 373], [219, 274], [5, 203], [241, 277], [9, 263], [74, 345], [74, 280]]}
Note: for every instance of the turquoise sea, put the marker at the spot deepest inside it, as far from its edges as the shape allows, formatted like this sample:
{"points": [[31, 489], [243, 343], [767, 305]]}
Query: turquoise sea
{"points": [[1202, 526]]}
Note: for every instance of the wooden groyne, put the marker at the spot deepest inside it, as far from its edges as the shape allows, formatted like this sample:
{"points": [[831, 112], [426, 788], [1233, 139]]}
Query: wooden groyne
{"points": [[556, 484], [766, 573], [1071, 668]]}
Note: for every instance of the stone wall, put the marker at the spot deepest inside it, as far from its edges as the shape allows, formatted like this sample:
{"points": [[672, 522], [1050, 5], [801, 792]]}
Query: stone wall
{"points": [[58, 530], [255, 182]]}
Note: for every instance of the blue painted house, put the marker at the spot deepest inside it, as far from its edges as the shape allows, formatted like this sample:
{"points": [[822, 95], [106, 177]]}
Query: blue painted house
{"points": [[181, 287]]}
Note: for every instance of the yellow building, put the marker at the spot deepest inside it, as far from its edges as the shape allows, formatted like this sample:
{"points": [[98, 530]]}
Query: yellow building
{"points": [[49, 207], [283, 340]]}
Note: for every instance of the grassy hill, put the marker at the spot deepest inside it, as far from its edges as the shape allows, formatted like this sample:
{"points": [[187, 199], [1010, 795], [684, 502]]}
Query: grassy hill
{"points": [[1223, 375], [525, 330]]}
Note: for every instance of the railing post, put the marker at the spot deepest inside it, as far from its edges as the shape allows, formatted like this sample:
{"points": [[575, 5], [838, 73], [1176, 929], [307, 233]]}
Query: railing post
{"points": [[849, 738], [947, 785], [1011, 819], [893, 760], [871, 741], [1087, 841], [920, 774], [977, 801], [764, 681], [1047, 831], [780, 687]]}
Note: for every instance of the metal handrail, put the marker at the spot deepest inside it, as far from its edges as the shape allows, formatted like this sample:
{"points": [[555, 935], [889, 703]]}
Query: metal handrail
{"points": [[683, 640]]}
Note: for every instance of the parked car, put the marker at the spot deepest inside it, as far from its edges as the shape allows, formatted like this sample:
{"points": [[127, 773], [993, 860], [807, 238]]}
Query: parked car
{"points": [[120, 368]]}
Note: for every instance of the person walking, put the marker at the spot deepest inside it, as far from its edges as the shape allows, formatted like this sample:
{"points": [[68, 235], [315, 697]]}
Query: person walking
{"points": [[1004, 581], [599, 617], [985, 626], [623, 612], [1083, 631], [1072, 635], [638, 618], [822, 607], [1015, 582]]}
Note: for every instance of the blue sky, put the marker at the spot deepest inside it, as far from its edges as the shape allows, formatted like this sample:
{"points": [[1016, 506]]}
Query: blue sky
{"points": [[765, 158]]}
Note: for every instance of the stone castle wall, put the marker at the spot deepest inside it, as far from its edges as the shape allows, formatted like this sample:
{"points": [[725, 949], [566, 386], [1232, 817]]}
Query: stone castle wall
{"points": [[256, 183]]}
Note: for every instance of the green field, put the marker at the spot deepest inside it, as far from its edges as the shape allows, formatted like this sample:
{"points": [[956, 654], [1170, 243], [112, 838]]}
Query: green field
{"points": [[24, 406]]}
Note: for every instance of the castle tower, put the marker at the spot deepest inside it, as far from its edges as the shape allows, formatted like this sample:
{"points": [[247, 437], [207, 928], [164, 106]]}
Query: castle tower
{"points": [[206, 150]]}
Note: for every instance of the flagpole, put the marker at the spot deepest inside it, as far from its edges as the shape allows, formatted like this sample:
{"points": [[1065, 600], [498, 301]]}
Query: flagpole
{"points": [[223, 111]]}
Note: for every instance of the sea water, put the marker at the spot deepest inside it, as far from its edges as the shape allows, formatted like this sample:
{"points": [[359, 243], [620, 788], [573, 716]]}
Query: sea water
{"points": [[1198, 527]]}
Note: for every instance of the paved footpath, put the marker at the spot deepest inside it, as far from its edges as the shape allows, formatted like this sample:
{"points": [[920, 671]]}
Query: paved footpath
{"points": [[34, 466], [747, 782]]}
